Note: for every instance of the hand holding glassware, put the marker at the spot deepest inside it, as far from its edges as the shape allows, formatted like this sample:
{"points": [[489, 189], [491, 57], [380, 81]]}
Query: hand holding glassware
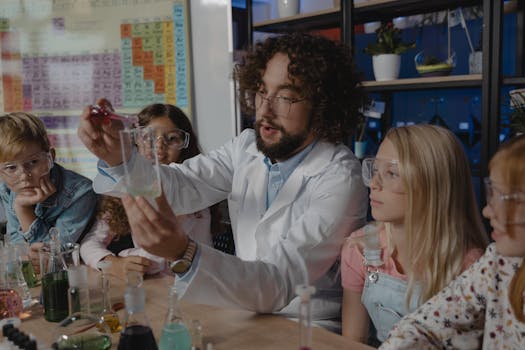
{"points": [[144, 178]]}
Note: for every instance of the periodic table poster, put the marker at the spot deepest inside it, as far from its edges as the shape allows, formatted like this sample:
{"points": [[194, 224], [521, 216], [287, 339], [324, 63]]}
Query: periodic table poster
{"points": [[57, 56]]}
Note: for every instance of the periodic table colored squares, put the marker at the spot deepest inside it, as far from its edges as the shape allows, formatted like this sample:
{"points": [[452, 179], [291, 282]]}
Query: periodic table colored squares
{"points": [[181, 72], [125, 30], [148, 66], [11, 71]]}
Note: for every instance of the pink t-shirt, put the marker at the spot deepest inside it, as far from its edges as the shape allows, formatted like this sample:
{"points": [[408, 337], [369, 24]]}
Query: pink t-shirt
{"points": [[353, 270]]}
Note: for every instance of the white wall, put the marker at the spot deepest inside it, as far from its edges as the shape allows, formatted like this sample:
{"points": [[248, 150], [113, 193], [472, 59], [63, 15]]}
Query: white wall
{"points": [[212, 64]]}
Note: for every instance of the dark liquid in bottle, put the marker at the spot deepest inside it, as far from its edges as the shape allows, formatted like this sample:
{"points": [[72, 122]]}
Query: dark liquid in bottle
{"points": [[137, 338], [54, 294], [29, 274]]}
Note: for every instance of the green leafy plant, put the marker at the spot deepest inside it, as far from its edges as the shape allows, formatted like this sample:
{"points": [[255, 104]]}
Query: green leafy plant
{"points": [[388, 41]]}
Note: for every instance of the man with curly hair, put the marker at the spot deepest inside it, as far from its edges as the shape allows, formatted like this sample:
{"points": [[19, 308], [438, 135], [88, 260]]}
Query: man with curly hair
{"points": [[294, 190]]}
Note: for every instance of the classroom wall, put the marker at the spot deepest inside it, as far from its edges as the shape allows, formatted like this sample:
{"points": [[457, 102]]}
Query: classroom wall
{"points": [[212, 63]]}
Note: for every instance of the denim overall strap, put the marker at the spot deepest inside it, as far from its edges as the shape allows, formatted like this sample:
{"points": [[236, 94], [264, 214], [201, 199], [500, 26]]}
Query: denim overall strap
{"points": [[384, 298]]}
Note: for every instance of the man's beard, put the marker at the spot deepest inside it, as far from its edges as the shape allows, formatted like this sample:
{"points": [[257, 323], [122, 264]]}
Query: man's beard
{"points": [[284, 148]]}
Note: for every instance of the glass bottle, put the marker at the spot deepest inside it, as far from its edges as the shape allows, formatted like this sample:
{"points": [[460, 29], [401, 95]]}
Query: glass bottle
{"points": [[81, 329], [15, 276], [175, 334], [137, 333], [11, 303], [22, 253], [107, 314], [54, 282]]}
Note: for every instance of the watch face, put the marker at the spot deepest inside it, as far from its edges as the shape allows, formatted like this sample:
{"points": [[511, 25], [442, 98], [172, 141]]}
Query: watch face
{"points": [[180, 266]]}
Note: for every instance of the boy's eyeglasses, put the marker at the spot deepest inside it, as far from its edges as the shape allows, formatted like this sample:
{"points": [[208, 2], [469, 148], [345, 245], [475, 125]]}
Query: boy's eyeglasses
{"points": [[501, 203], [37, 165], [384, 171], [280, 105], [177, 138]]}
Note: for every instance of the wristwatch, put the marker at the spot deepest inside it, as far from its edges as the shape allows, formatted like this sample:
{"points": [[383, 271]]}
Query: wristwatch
{"points": [[182, 265]]}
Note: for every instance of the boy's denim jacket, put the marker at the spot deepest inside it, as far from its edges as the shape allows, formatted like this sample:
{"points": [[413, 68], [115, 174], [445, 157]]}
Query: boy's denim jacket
{"points": [[70, 209]]}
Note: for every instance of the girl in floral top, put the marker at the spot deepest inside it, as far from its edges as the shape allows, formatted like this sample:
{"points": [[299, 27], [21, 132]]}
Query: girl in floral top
{"points": [[482, 308], [428, 229]]}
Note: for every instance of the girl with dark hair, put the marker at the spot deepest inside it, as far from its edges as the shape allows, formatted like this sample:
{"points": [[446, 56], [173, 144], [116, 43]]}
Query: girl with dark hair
{"points": [[110, 238]]}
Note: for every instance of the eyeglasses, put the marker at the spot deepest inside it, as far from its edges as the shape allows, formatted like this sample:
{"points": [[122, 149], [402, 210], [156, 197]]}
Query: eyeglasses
{"points": [[37, 165], [501, 203], [280, 105], [385, 171], [176, 138]]}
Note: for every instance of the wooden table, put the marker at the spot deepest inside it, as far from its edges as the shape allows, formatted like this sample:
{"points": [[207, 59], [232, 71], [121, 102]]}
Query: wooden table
{"points": [[224, 328]]}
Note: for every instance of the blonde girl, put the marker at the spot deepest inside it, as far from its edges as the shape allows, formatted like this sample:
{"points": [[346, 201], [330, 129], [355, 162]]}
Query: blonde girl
{"points": [[482, 308], [429, 229]]}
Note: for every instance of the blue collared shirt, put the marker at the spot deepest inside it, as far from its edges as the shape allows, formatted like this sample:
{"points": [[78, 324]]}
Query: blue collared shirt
{"points": [[279, 172]]}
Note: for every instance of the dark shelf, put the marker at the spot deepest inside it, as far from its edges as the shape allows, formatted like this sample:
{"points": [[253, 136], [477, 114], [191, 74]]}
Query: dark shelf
{"points": [[386, 9], [303, 22], [514, 81], [377, 9], [451, 81]]}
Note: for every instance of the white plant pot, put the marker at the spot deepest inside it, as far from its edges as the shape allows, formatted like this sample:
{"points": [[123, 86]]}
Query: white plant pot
{"points": [[386, 66], [371, 27], [287, 8]]}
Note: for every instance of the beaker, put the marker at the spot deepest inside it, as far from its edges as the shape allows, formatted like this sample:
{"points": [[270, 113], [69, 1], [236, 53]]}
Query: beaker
{"points": [[143, 179]]}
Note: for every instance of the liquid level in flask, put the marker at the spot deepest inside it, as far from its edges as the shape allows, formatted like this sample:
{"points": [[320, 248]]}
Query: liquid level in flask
{"points": [[175, 336], [137, 338]]}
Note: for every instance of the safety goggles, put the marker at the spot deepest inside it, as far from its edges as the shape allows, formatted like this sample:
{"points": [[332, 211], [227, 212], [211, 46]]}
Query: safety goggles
{"points": [[509, 208], [37, 165], [385, 172], [176, 138]]}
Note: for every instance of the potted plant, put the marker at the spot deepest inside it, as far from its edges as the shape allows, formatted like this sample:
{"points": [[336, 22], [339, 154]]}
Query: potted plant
{"points": [[385, 52]]}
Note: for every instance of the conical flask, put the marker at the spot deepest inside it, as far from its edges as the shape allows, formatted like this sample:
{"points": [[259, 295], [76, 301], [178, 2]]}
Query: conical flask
{"points": [[81, 329], [107, 314], [14, 277], [137, 333], [175, 334]]}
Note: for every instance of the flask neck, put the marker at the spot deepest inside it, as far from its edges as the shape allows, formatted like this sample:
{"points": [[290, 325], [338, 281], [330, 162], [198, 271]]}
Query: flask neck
{"points": [[174, 314], [135, 300]]}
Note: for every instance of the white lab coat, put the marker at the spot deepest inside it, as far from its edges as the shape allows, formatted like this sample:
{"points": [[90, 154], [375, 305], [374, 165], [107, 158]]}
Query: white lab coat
{"points": [[322, 201]]}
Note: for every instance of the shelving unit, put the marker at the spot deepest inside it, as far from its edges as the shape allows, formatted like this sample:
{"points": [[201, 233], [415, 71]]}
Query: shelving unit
{"points": [[451, 81], [347, 15], [304, 21]]}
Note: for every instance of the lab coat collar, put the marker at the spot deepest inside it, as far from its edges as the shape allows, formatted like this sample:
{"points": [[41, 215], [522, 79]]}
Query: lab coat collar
{"points": [[319, 157], [314, 163]]}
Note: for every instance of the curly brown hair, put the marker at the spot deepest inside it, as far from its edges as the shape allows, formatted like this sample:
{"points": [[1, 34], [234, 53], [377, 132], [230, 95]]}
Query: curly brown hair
{"points": [[322, 68], [113, 213]]}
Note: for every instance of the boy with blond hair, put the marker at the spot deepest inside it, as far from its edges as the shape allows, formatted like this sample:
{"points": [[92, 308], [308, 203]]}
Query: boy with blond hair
{"points": [[37, 193]]}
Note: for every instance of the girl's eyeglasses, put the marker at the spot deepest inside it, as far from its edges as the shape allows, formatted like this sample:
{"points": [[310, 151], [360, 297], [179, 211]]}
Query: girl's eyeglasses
{"points": [[385, 172], [506, 206]]}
